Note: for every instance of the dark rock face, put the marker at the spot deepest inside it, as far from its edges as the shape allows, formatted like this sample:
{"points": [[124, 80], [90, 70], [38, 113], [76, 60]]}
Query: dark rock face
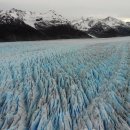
{"points": [[62, 31], [104, 31], [19, 31], [23, 32], [123, 31]]}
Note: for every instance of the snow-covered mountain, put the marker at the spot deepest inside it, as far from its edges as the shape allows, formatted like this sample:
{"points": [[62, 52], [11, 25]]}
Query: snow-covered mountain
{"points": [[31, 18], [107, 27], [113, 22], [35, 26], [27, 25], [86, 24]]}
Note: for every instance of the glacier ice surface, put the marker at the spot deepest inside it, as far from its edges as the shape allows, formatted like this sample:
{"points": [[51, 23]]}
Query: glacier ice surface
{"points": [[65, 85]]}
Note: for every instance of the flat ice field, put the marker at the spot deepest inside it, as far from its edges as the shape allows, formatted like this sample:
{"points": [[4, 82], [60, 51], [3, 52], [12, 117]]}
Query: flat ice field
{"points": [[65, 85]]}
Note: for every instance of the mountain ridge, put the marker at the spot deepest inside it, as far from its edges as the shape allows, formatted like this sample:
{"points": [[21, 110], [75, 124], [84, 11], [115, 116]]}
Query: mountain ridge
{"points": [[50, 25]]}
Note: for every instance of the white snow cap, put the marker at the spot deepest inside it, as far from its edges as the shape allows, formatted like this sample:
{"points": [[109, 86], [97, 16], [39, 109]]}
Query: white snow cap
{"points": [[86, 23], [31, 18]]}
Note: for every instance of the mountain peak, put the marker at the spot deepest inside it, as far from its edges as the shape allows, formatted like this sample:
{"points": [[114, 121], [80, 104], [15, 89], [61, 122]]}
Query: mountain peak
{"points": [[53, 15], [113, 22], [85, 23], [110, 18], [51, 12], [15, 10], [32, 18]]}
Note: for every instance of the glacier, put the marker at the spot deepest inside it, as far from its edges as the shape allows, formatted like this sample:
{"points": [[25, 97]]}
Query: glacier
{"points": [[65, 85]]}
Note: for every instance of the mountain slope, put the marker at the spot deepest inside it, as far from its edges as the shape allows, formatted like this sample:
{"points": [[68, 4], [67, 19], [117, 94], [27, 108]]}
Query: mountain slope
{"points": [[14, 29], [85, 24], [25, 25], [102, 30], [108, 27]]}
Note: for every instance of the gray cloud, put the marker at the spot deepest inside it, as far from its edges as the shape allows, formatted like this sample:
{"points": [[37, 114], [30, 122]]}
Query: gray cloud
{"points": [[71, 8]]}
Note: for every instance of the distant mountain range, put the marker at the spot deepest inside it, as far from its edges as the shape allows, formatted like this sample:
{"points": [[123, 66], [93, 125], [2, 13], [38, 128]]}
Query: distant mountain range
{"points": [[108, 27], [18, 25]]}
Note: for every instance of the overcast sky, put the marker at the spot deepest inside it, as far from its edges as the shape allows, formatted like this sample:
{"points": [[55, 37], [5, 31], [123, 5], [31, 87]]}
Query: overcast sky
{"points": [[73, 8]]}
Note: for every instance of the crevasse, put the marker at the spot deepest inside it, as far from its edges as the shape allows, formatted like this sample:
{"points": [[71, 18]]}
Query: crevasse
{"points": [[65, 85]]}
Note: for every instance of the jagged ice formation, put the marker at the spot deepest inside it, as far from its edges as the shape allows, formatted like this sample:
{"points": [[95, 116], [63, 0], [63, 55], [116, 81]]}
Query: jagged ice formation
{"points": [[65, 85]]}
